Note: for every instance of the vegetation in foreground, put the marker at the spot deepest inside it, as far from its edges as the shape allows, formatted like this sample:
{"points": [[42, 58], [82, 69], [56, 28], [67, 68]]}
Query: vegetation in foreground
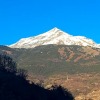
{"points": [[14, 86]]}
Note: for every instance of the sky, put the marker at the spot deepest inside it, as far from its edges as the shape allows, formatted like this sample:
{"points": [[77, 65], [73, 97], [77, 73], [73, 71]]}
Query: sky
{"points": [[25, 18]]}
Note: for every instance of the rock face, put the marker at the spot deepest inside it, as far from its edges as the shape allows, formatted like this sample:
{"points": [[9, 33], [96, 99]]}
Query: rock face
{"points": [[54, 36]]}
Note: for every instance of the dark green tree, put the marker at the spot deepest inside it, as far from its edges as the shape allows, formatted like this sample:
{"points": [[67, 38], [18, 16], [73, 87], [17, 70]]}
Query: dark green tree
{"points": [[8, 65]]}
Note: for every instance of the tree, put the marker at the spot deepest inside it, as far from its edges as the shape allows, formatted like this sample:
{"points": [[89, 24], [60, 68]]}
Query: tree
{"points": [[60, 93], [22, 73], [8, 65]]}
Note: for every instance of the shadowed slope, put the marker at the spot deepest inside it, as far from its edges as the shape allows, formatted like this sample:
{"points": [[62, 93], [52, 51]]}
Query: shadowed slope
{"points": [[14, 86]]}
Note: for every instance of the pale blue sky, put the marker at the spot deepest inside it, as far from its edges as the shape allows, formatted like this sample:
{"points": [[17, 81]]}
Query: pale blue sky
{"points": [[24, 18]]}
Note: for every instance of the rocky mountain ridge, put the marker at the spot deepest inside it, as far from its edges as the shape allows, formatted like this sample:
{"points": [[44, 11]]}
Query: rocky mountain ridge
{"points": [[54, 36]]}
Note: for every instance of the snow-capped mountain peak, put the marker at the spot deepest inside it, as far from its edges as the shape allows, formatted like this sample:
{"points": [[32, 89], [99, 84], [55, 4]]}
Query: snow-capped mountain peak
{"points": [[55, 31], [54, 36]]}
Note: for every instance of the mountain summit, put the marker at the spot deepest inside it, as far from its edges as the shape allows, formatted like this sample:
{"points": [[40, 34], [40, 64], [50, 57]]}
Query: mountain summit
{"points": [[54, 36]]}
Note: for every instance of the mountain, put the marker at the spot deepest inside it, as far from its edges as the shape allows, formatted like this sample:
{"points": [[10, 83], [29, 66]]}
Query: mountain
{"points": [[54, 36], [74, 67], [54, 59], [58, 57]]}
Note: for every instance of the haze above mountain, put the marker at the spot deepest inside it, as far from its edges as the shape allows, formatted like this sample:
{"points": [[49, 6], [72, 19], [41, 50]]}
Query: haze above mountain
{"points": [[54, 36]]}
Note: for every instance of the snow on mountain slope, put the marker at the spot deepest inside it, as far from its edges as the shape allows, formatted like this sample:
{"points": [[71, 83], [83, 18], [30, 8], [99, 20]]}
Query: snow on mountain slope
{"points": [[54, 36]]}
